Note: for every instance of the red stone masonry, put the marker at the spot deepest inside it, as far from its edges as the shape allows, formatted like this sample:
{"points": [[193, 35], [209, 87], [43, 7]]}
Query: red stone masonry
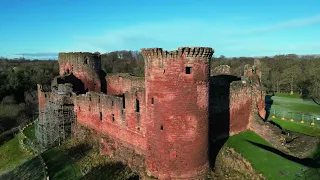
{"points": [[177, 112], [83, 65], [159, 123]]}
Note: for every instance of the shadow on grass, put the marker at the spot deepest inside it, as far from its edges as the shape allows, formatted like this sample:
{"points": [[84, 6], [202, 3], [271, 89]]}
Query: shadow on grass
{"points": [[60, 165], [111, 171], [30, 170], [6, 136], [308, 162], [78, 151], [315, 101], [268, 104]]}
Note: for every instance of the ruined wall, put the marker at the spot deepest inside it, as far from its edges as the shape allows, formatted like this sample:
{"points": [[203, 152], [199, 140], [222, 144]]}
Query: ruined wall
{"points": [[177, 111], [43, 92], [83, 65], [118, 84], [115, 116], [236, 108], [240, 107]]}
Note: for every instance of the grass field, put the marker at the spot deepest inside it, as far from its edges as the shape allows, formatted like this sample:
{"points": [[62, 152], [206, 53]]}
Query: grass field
{"points": [[298, 127], [60, 165], [29, 170], [11, 155], [271, 163], [284, 104]]}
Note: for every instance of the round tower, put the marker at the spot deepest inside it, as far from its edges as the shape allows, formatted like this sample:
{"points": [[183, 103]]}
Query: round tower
{"points": [[84, 66], [177, 111]]}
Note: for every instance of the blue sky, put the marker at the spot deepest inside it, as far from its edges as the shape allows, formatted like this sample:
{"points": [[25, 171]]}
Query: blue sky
{"points": [[42, 28]]}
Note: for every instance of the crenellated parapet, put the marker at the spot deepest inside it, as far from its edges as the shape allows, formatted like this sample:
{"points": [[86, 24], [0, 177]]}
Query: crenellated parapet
{"points": [[203, 52]]}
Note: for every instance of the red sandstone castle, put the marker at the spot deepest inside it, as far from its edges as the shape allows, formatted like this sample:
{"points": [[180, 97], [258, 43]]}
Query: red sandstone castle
{"points": [[158, 124]]}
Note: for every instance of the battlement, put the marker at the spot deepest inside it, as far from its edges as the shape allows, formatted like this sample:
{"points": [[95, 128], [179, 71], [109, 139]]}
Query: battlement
{"points": [[63, 56], [203, 52]]}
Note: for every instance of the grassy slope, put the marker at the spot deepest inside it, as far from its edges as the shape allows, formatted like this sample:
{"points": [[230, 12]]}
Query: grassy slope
{"points": [[264, 161], [11, 155], [29, 132], [60, 165], [29, 170], [300, 128]]}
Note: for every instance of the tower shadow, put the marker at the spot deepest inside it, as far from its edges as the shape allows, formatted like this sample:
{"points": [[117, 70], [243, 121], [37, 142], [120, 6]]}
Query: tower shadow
{"points": [[268, 104], [103, 82], [219, 114], [77, 84]]}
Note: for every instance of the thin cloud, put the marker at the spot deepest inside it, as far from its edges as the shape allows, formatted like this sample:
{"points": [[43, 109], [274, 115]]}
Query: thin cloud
{"points": [[294, 23], [38, 54]]}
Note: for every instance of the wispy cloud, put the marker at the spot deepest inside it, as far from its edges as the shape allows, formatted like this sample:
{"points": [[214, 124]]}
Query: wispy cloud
{"points": [[227, 38], [37, 55], [290, 24]]}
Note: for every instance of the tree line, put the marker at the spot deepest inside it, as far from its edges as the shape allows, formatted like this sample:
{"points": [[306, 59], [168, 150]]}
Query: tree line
{"points": [[280, 74]]}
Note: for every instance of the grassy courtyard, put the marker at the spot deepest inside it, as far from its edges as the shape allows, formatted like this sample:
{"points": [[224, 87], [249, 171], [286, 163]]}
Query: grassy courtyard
{"points": [[270, 162]]}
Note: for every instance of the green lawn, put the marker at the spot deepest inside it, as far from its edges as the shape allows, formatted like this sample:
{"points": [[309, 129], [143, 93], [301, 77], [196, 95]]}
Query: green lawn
{"points": [[293, 107], [11, 155], [285, 103], [60, 165], [29, 132], [29, 170], [298, 127], [270, 164]]}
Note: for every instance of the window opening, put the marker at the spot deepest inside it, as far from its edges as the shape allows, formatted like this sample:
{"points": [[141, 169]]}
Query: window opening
{"points": [[188, 70], [152, 100], [100, 116], [123, 102], [112, 117], [161, 128], [137, 106]]}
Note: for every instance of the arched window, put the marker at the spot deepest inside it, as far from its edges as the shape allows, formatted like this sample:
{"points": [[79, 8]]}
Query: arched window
{"points": [[86, 60]]}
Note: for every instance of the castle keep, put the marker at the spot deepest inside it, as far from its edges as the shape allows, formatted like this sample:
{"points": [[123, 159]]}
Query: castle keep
{"points": [[159, 124]]}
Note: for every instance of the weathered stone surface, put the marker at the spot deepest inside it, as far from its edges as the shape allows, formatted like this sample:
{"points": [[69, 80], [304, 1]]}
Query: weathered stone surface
{"points": [[177, 117], [159, 124]]}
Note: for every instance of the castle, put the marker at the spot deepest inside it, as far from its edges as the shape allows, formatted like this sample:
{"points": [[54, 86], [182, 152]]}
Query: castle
{"points": [[159, 124]]}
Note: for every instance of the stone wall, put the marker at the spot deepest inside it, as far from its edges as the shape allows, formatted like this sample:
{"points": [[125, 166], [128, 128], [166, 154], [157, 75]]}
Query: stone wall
{"points": [[115, 116], [240, 107], [177, 111], [118, 84], [83, 65]]}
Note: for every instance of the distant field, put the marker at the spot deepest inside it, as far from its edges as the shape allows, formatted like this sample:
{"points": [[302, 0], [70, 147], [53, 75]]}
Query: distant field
{"points": [[273, 165], [293, 107], [293, 103]]}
